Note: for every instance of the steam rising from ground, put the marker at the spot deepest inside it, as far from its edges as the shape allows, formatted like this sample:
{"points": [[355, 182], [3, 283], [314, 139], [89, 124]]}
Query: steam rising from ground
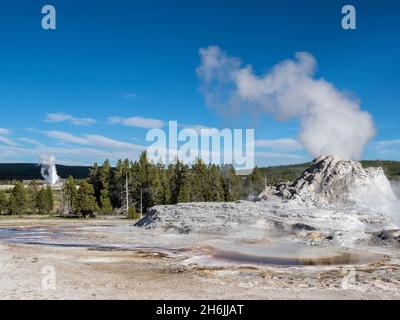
{"points": [[394, 206], [48, 169], [331, 121], [396, 188]]}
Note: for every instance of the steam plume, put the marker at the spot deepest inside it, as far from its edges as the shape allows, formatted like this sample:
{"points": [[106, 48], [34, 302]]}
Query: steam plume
{"points": [[396, 188], [48, 169], [331, 122]]}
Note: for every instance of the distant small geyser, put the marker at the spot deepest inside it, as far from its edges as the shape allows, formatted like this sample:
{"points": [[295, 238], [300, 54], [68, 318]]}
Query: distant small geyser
{"points": [[48, 169]]}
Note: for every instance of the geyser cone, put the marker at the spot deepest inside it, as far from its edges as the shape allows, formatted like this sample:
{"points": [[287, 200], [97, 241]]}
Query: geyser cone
{"points": [[333, 180]]}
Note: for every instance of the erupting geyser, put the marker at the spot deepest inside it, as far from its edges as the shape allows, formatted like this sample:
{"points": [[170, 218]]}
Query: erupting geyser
{"points": [[331, 121], [48, 169]]}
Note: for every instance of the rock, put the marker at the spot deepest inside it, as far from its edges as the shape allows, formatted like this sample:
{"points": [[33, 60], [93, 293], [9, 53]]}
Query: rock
{"points": [[279, 225], [332, 180], [302, 227], [173, 229], [314, 236], [149, 220], [387, 236]]}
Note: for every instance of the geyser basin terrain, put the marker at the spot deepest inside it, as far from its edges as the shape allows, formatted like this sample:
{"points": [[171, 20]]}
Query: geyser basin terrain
{"points": [[108, 259], [311, 221], [193, 249], [273, 243], [325, 207]]}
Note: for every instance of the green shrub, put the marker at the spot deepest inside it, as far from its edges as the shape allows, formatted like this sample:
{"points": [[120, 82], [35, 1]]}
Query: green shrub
{"points": [[132, 214]]}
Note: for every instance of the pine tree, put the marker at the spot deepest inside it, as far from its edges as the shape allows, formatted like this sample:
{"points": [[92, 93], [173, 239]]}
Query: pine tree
{"points": [[49, 204], [248, 188], [178, 173], [165, 187], [105, 175], [257, 181], [41, 201], [94, 180], [32, 196], [69, 194], [145, 182], [185, 192], [104, 180], [199, 186], [3, 202], [156, 185], [105, 203], [215, 184], [86, 201], [230, 183], [18, 202]]}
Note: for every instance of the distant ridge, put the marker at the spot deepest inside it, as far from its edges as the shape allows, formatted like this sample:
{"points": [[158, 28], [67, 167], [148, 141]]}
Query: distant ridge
{"points": [[30, 171]]}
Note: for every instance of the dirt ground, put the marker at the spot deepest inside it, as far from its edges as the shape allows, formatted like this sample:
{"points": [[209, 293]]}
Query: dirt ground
{"points": [[82, 273]]}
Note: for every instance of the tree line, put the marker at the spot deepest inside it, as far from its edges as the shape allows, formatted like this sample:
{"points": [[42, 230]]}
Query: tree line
{"points": [[135, 186], [139, 185], [27, 200]]}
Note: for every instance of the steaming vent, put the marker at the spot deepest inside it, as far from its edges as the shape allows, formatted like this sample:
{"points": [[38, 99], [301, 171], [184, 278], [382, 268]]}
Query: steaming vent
{"points": [[48, 169]]}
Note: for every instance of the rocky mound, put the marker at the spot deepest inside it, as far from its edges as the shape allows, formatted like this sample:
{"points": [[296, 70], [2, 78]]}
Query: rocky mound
{"points": [[324, 192], [257, 220], [387, 237], [333, 180]]}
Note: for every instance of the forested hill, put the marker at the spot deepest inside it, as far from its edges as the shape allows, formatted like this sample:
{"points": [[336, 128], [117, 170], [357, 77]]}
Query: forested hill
{"points": [[28, 171]]}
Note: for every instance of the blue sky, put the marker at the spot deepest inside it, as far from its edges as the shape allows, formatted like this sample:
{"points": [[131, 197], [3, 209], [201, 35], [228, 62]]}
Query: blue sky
{"points": [[138, 59]]}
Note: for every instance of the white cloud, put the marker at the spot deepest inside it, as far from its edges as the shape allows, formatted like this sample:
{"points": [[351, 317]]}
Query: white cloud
{"points": [[66, 137], [105, 142], [139, 122], [93, 140], [287, 144], [69, 148], [389, 149], [65, 155], [64, 117], [199, 128], [30, 141], [386, 144], [278, 155], [7, 141], [278, 158], [4, 131]]}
